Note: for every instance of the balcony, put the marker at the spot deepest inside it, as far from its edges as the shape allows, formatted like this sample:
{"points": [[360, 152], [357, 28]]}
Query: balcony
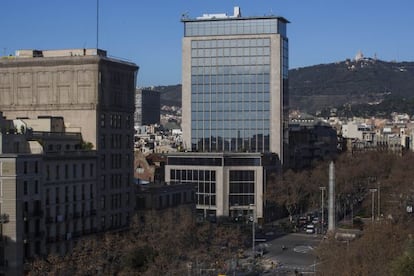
{"points": [[4, 218]]}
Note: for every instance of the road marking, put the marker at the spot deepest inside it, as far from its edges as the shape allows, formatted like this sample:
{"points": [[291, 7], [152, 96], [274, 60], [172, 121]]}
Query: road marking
{"points": [[303, 248]]}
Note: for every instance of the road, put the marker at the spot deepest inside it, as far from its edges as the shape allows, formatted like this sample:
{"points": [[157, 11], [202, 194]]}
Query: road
{"points": [[299, 252]]}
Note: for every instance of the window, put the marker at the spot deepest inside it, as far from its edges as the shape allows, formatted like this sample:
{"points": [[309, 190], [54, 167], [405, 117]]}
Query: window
{"points": [[66, 171], [74, 193], [103, 182], [205, 181], [57, 171], [25, 188], [47, 172], [241, 187], [103, 142], [103, 161], [103, 203], [25, 167], [128, 121], [66, 194], [83, 170], [74, 170], [36, 186], [91, 169], [103, 222], [102, 120], [57, 194]]}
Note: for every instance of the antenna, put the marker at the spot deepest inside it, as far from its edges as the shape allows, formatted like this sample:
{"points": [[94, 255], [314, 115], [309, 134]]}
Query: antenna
{"points": [[97, 24]]}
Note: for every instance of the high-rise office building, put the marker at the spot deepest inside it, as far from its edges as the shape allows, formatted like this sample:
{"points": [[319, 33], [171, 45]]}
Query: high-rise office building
{"points": [[235, 103], [147, 107], [95, 95], [235, 83]]}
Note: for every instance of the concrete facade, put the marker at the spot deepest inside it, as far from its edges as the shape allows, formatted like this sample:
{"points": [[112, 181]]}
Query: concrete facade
{"points": [[230, 181]]}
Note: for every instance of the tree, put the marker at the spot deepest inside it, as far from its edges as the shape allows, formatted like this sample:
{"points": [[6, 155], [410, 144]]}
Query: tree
{"points": [[288, 190], [372, 254], [158, 243]]}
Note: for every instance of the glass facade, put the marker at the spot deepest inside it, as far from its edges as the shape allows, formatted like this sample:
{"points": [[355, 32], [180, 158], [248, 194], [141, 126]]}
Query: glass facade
{"points": [[241, 188], [231, 83], [204, 181], [230, 94], [234, 27]]}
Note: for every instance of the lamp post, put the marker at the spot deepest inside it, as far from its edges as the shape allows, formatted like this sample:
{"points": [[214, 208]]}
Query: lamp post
{"points": [[322, 207], [379, 205], [372, 190], [253, 230]]}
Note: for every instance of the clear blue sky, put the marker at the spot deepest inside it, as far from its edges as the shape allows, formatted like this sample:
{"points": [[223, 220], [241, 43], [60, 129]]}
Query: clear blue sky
{"points": [[149, 32]]}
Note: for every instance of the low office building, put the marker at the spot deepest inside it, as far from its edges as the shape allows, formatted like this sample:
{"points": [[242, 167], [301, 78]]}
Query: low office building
{"points": [[226, 184]]}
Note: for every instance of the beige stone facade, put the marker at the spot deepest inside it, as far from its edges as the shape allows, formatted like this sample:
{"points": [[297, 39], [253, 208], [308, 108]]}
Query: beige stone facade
{"points": [[95, 96]]}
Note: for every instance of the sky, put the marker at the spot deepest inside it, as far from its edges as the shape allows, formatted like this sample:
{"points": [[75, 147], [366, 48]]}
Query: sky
{"points": [[149, 32]]}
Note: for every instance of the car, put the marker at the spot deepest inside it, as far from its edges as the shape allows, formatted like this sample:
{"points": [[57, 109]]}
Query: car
{"points": [[310, 229]]}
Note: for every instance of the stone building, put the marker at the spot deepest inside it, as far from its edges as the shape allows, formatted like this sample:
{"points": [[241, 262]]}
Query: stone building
{"points": [[48, 190], [95, 95]]}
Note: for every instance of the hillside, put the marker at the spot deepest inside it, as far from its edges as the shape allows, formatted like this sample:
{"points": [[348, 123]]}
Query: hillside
{"points": [[349, 82], [322, 86]]}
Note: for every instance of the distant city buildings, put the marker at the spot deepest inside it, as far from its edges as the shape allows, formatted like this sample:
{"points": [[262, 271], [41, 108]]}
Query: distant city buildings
{"points": [[311, 140], [76, 175]]}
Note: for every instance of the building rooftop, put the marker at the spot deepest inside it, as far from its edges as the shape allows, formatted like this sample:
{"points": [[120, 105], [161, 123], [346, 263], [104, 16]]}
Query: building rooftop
{"points": [[224, 16], [28, 56]]}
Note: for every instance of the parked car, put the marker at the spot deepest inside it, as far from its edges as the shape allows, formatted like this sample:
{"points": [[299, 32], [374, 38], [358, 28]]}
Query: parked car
{"points": [[310, 229]]}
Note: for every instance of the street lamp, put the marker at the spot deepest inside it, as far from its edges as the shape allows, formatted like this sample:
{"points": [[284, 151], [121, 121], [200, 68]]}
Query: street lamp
{"points": [[379, 205], [253, 229], [322, 207], [372, 190]]}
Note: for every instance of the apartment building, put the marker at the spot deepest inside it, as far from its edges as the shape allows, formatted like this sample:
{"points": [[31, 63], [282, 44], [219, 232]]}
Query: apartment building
{"points": [[48, 192], [95, 95]]}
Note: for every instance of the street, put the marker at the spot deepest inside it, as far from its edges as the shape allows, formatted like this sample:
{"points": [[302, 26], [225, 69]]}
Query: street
{"points": [[292, 252]]}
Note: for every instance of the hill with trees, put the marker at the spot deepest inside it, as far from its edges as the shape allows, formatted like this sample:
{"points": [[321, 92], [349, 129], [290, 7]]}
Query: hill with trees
{"points": [[365, 81]]}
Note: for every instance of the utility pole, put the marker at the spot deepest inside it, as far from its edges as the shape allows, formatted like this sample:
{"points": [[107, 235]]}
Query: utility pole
{"points": [[253, 230]]}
